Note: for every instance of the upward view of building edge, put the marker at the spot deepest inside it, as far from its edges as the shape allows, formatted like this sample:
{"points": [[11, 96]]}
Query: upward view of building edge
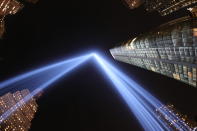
{"points": [[170, 50]]}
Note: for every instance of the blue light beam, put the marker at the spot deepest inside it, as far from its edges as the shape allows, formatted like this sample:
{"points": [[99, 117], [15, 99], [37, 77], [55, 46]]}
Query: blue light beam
{"points": [[40, 70], [140, 102], [73, 63]]}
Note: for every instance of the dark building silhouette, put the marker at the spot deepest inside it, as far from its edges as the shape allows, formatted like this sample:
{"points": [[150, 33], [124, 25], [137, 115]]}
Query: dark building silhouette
{"points": [[170, 50], [20, 120]]}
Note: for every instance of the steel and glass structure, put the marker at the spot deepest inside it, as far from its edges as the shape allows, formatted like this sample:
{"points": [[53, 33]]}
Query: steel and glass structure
{"points": [[170, 50]]}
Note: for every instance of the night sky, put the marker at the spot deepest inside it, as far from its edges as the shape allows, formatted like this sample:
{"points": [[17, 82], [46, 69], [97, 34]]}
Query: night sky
{"points": [[84, 100]]}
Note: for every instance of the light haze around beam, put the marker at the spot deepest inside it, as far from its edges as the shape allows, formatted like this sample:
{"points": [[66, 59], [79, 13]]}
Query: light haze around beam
{"points": [[53, 74], [141, 103]]}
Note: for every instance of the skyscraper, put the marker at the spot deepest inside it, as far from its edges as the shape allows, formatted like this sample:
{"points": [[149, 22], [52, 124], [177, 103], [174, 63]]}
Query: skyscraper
{"points": [[132, 4], [170, 50], [164, 7], [20, 120], [7, 7], [178, 118]]}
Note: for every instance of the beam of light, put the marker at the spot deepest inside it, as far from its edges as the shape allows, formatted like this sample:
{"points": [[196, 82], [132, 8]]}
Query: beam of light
{"points": [[73, 63], [140, 102], [33, 81], [151, 100], [39, 70]]}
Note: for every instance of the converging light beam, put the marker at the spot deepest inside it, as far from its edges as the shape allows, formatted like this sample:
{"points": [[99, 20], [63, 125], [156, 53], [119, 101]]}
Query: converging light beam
{"points": [[69, 65], [139, 101]]}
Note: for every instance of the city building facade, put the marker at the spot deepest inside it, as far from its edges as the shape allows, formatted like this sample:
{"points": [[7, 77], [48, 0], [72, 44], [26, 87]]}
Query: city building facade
{"points": [[164, 7], [20, 120], [187, 124], [170, 50], [8, 7], [132, 4]]}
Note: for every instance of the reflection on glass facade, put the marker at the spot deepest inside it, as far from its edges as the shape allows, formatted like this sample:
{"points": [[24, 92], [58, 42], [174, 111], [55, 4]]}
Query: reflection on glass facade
{"points": [[170, 50], [20, 120]]}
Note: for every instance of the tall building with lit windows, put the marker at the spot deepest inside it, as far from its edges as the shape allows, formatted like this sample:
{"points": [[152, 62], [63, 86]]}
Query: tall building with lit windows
{"points": [[20, 120], [170, 50], [164, 7], [8, 7], [187, 123], [132, 4]]}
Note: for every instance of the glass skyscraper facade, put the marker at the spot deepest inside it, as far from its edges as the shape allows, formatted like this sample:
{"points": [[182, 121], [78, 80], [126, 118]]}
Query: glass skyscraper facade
{"points": [[170, 50]]}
